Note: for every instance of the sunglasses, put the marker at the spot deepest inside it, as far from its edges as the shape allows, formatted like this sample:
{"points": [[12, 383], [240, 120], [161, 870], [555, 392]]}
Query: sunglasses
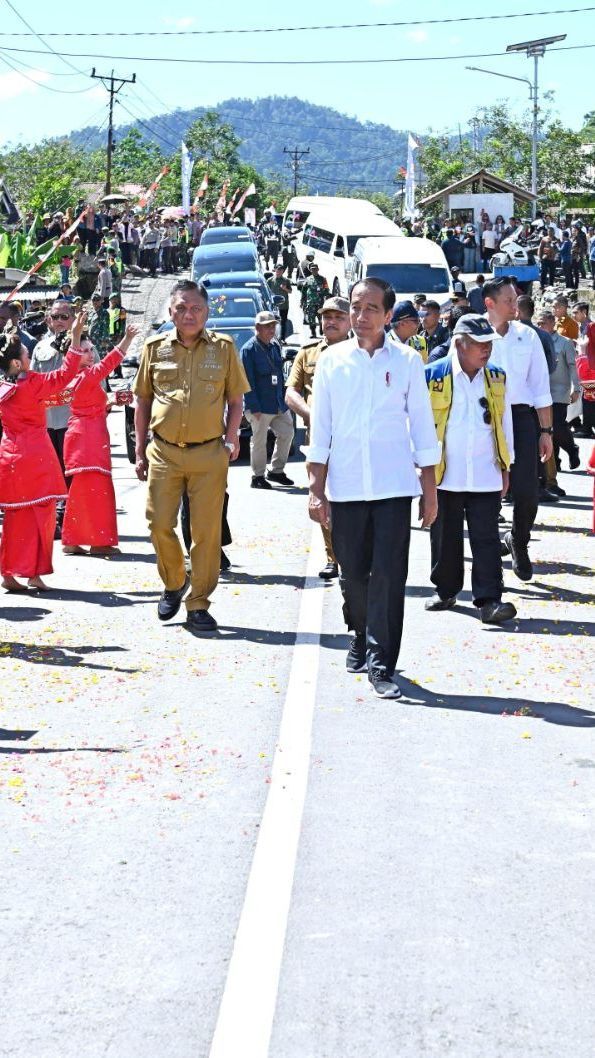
{"points": [[59, 316], [487, 415]]}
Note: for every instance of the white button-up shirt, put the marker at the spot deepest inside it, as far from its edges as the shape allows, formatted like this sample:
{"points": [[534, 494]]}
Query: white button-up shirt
{"points": [[471, 461], [372, 421], [520, 353]]}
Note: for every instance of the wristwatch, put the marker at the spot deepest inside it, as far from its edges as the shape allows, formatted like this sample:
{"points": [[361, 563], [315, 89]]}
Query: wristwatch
{"points": [[230, 445], [546, 429]]}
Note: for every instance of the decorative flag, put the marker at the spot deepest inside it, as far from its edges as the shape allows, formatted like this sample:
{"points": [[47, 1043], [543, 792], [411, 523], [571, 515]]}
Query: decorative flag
{"points": [[221, 201], [203, 187], [232, 200], [251, 190], [409, 209], [186, 171], [147, 195], [42, 260]]}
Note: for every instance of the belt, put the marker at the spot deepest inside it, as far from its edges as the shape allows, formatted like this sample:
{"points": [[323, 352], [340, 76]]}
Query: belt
{"points": [[185, 444]]}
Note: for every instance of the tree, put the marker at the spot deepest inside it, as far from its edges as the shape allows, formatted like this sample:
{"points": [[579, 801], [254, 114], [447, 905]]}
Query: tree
{"points": [[136, 160], [48, 176]]}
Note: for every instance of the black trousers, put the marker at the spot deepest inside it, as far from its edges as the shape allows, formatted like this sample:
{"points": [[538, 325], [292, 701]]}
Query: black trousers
{"points": [[283, 314], [524, 477], [371, 541], [548, 273], [481, 510], [562, 433], [57, 439], [185, 521]]}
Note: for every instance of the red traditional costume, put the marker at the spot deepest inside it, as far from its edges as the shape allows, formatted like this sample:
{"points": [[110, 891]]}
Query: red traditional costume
{"points": [[90, 516], [30, 476]]}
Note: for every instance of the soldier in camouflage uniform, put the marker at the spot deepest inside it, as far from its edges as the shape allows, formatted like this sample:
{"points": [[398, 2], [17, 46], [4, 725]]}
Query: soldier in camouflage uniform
{"points": [[281, 286], [314, 293], [298, 395], [404, 327]]}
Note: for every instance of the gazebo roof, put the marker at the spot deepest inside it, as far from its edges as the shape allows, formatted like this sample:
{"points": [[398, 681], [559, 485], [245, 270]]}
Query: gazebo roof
{"points": [[490, 181]]}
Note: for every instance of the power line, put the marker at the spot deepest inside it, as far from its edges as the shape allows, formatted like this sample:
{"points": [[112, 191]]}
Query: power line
{"points": [[295, 62], [48, 47], [50, 73], [296, 156], [40, 84], [154, 117], [301, 29], [139, 121]]}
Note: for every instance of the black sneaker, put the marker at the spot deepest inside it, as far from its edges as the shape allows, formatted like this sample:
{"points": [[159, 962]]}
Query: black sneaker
{"points": [[436, 602], [201, 623], [260, 483], [382, 684], [356, 655], [521, 563], [280, 478], [330, 571], [495, 613], [170, 602]]}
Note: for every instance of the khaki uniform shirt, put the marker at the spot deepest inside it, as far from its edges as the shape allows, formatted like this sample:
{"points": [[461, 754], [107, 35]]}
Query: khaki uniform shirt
{"points": [[189, 388], [301, 376]]}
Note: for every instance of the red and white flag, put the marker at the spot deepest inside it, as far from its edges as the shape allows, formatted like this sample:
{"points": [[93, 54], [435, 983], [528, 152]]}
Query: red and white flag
{"points": [[221, 201], [42, 260], [251, 190], [147, 195], [203, 187]]}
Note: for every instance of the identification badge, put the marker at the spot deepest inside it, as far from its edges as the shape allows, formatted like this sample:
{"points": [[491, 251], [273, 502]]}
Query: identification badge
{"points": [[274, 379]]}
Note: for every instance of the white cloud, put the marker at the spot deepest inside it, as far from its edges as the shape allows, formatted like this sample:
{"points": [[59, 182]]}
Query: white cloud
{"points": [[417, 36], [97, 92], [455, 40], [179, 23], [14, 84]]}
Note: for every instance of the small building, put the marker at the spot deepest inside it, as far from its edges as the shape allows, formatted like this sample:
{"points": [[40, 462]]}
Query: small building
{"points": [[465, 200]]}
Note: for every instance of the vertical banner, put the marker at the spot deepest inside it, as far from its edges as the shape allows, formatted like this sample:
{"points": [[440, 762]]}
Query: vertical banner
{"points": [[409, 210], [186, 169]]}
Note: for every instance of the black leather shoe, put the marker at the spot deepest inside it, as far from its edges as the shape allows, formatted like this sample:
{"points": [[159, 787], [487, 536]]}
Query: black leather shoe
{"points": [[330, 571], [521, 563], [575, 459], [435, 602], [280, 478], [224, 563], [557, 489], [201, 623], [545, 496], [170, 602], [259, 482], [495, 613]]}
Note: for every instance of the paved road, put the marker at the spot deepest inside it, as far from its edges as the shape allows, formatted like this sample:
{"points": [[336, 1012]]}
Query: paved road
{"points": [[440, 901]]}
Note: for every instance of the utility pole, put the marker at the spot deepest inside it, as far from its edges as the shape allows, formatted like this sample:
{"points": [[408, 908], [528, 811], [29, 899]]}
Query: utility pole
{"points": [[109, 83], [296, 157]]}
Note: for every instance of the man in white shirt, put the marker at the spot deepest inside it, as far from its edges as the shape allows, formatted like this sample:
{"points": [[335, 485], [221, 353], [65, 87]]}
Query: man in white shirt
{"points": [[521, 356], [371, 426], [474, 423]]}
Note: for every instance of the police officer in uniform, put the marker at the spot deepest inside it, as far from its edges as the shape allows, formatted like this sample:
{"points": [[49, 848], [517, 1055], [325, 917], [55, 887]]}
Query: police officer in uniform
{"points": [[189, 390], [298, 395]]}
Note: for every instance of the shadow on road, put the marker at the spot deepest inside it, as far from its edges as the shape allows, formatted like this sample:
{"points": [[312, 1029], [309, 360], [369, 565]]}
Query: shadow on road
{"points": [[551, 712], [67, 657], [63, 749], [23, 613]]}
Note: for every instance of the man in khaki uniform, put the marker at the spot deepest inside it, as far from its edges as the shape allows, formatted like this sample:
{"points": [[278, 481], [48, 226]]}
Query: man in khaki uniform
{"points": [[298, 395], [187, 379]]}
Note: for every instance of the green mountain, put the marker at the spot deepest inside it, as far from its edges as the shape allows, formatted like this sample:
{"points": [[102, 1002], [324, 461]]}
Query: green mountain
{"points": [[344, 152]]}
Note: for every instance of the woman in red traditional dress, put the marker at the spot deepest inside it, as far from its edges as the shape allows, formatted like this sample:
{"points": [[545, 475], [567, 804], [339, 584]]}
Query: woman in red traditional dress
{"points": [[90, 516], [30, 476]]}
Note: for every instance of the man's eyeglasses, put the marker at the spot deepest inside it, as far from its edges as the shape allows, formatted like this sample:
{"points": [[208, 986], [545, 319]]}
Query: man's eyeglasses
{"points": [[59, 316], [487, 415]]}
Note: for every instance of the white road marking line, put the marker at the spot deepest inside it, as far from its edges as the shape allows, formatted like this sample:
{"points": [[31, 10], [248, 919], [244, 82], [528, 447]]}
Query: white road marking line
{"points": [[249, 999]]}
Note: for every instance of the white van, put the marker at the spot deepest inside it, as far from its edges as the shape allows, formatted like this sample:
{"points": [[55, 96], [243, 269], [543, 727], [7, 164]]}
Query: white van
{"points": [[332, 235], [411, 266], [299, 208]]}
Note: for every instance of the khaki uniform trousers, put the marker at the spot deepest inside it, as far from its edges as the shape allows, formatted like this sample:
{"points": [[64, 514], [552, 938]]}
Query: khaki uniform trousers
{"points": [[326, 533], [282, 427], [202, 473]]}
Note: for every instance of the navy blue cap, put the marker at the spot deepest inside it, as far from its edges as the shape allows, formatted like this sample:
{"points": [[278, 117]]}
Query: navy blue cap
{"points": [[477, 327], [404, 310]]}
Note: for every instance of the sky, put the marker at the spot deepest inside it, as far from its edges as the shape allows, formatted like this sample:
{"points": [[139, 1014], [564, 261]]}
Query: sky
{"points": [[42, 95]]}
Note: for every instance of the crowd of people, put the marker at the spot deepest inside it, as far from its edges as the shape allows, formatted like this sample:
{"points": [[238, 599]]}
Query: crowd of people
{"points": [[465, 405]]}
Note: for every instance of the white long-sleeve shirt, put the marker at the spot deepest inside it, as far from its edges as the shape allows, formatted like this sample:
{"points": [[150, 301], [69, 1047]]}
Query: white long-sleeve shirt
{"points": [[471, 463], [520, 353], [371, 421]]}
